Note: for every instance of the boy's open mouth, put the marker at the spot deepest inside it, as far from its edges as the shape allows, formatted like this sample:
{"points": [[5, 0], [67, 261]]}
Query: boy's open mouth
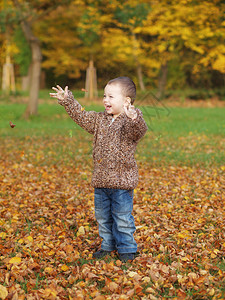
{"points": [[108, 106]]}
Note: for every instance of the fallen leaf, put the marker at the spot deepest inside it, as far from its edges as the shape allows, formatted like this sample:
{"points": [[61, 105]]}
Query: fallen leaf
{"points": [[11, 124], [211, 292], [48, 270], [113, 286], [15, 260], [81, 231], [64, 268], [2, 235], [132, 274], [3, 292]]}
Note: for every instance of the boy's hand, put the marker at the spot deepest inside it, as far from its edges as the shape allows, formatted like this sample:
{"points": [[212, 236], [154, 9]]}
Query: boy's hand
{"points": [[60, 94], [130, 111]]}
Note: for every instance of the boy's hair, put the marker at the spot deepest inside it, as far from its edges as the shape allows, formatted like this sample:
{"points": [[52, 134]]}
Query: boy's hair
{"points": [[128, 86]]}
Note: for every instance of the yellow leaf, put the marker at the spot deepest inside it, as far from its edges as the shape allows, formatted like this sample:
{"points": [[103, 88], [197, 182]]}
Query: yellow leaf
{"points": [[184, 234], [2, 235], [64, 268], [212, 292], [185, 258], [15, 260], [146, 279], [81, 231], [183, 187], [29, 238], [181, 235], [3, 292], [50, 253], [132, 274], [48, 270], [201, 220]]}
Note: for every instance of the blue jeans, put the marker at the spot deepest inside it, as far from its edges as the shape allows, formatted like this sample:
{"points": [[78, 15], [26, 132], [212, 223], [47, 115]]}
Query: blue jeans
{"points": [[113, 212]]}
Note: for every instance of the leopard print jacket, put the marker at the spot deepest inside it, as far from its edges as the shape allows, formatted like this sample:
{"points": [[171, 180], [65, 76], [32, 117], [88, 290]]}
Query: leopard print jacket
{"points": [[114, 144]]}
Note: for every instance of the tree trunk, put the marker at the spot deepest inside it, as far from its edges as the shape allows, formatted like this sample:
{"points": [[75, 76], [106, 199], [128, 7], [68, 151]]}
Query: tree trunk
{"points": [[162, 80], [140, 77], [35, 46], [91, 81], [26, 80], [138, 65], [32, 107]]}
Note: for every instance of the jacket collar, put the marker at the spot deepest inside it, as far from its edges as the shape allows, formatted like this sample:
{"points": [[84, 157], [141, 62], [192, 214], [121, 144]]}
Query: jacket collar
{"points": [[109, 117]]}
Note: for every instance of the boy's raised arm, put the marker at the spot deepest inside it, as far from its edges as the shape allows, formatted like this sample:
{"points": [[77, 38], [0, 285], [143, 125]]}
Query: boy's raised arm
{"points": [[135, 126], [85, 119]]}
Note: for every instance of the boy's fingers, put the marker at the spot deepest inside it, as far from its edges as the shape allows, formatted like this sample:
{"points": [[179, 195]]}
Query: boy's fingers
{"points": [[55, 89], [54, 95], [59, 87]]}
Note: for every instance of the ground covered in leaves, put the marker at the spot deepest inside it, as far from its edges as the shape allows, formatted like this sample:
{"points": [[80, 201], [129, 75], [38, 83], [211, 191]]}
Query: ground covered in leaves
{"points": [[48, 230]]}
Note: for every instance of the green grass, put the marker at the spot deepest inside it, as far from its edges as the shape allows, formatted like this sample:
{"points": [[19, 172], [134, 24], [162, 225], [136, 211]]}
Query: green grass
{"points": [[186, 135], [176, 135]]}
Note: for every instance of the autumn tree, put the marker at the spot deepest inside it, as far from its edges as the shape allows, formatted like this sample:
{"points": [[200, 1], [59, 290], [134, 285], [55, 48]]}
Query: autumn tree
{"points": [[22, 57], [62, 47], [129, 16], [185, 29], [8, 49], [29, 12], [26, 12], [178, 43]]}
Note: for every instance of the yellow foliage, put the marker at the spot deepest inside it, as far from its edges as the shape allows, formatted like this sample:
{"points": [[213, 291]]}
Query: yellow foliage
{"points": [[219, 63], [172, 28]]}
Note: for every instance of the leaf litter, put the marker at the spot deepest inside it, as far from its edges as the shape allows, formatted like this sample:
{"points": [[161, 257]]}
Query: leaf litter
{"points": [[48, 230]]}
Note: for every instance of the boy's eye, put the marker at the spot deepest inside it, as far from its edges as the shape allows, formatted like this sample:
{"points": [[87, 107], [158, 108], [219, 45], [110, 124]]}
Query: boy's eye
{"points": [[110, 96]]}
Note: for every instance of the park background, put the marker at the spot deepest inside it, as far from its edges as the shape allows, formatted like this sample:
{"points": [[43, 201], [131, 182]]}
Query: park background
{"points": [[175, 53]]}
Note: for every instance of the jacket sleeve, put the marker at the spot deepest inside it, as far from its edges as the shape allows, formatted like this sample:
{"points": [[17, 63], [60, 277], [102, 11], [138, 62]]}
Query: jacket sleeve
{"points": [[85, 119], [135, 129]]}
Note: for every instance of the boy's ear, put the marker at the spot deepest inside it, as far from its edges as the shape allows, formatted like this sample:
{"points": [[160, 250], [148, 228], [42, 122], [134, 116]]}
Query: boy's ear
{"points": [[128, 101]]}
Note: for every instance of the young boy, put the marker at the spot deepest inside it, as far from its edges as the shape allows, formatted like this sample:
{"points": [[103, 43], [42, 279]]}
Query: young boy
{"points": [[116, 132]]}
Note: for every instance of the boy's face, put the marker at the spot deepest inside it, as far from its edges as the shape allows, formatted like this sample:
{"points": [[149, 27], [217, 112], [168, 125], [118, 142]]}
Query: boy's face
{"points": [[114, 99]]}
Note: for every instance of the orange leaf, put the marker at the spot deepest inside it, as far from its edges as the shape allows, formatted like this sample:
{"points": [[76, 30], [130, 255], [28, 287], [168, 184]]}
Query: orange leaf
{"points": [[113, 286], [64, 268], [68, 249]]}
